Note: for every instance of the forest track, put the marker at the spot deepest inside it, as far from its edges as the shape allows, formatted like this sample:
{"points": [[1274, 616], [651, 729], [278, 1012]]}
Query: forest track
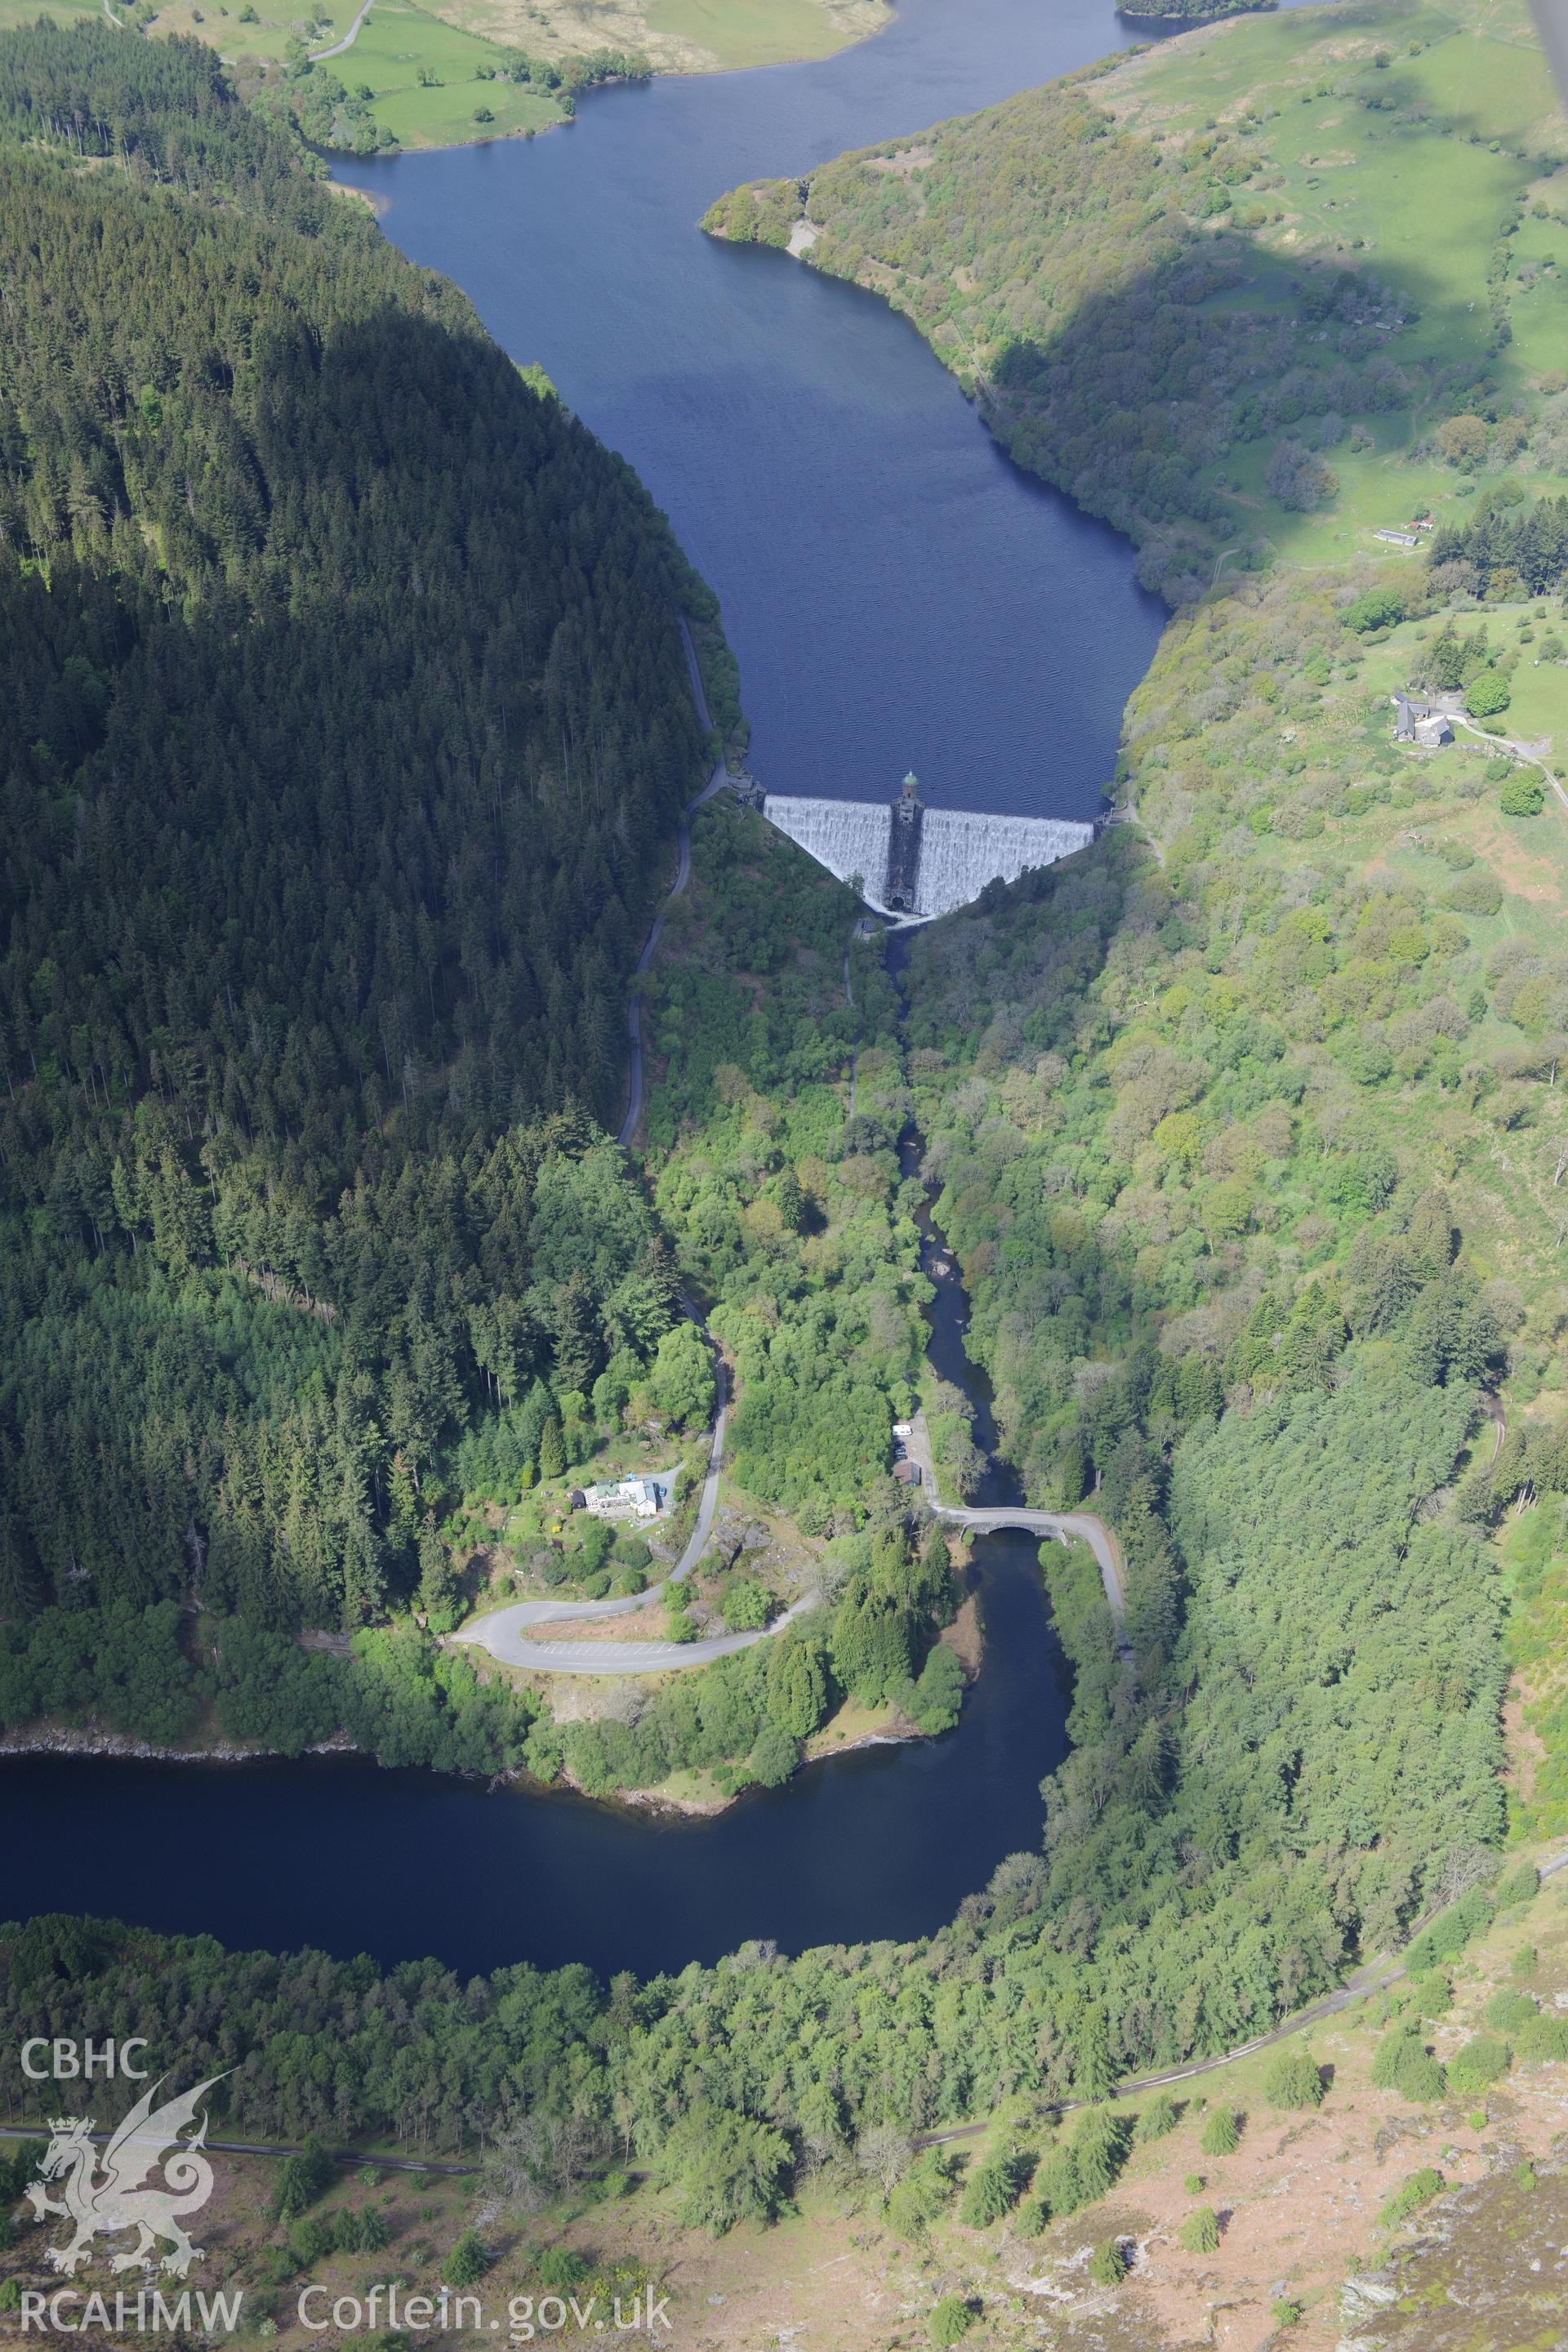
{"points": [[1376, 1976], [716, 783], [1517, 750], [276, 2147]]}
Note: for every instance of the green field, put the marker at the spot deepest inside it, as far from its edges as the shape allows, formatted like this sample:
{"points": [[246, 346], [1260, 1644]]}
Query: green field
{"points": [[1414, 187], [468, 60], [749, 32], [1539, 689], [28, 12], [398, 41], [676, 36], [397, 44]]}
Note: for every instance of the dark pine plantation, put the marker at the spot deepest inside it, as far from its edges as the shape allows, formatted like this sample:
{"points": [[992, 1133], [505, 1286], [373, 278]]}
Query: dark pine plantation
{"points": [[344, 717]]}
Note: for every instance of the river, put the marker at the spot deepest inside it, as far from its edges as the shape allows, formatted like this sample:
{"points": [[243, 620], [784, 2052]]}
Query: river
{"points": [[898, 595]]}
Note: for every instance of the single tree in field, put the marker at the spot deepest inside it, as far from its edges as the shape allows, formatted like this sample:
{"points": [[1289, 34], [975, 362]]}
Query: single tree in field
{"points": [[1293, 2081], [884, 2152]]}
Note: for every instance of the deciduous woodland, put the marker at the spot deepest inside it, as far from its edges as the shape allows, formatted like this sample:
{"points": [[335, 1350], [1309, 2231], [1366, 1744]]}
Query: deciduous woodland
{"points": [[1246, 1123]]}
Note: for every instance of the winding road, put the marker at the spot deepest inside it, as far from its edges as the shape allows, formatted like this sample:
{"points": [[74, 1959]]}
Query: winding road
{"points": [[504, 1633]]}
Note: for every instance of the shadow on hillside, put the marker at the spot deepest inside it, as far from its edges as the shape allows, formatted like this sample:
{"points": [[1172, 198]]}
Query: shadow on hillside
{"points": [[1155, 366]]}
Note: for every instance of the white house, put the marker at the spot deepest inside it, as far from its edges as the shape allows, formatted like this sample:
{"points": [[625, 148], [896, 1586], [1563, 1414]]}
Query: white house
{"points": [[625, 1499]]}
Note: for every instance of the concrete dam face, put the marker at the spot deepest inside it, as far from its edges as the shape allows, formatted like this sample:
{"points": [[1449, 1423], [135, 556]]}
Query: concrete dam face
{"points": [[907, 860]]}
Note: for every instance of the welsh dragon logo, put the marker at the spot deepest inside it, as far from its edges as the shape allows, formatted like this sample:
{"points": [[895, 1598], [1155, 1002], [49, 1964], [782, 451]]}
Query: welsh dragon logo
{"points": [[117, 2197]]}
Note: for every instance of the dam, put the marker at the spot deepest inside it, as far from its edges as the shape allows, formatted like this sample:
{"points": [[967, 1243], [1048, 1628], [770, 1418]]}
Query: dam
{"points": [[907, 860]]}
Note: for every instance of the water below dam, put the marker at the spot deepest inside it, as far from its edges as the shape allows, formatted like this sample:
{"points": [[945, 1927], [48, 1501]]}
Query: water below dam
{"points": [[898, 594]]}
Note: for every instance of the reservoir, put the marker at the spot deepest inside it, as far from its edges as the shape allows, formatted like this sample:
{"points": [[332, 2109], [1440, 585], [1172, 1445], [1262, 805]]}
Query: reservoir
{"points": [[898, 595], [335, 1854]]}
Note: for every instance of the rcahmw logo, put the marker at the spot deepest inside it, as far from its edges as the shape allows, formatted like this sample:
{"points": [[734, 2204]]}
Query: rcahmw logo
{"points": [[68, 2312], [102, 2193]]}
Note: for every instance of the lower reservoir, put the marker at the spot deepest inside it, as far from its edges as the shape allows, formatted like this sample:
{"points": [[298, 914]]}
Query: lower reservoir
{"points": [[340, 1856]]}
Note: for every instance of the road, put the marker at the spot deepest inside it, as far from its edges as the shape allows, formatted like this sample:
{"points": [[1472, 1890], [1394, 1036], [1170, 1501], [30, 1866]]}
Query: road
{"points": [[504, 1633], [350, 37], [275, 2148], [1064, 1526], [716, 784], [614, 1657], [1373, 1978]]}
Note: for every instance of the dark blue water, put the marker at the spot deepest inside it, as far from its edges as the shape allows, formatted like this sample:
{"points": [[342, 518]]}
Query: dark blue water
{"points": [[885, 1843], [898, 595]]}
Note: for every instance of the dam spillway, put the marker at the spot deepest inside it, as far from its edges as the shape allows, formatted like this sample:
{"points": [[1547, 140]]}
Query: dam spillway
{"points": [[849, 837], [906, 859]]}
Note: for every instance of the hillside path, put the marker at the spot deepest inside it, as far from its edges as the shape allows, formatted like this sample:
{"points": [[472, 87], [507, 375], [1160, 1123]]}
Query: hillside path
{"points": [[1506, 743]]}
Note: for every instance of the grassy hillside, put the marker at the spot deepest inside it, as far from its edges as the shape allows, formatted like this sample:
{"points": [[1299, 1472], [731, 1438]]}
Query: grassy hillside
{"points": [[409, 77], [1252, 295], [1227, 293], [680, 36]]}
